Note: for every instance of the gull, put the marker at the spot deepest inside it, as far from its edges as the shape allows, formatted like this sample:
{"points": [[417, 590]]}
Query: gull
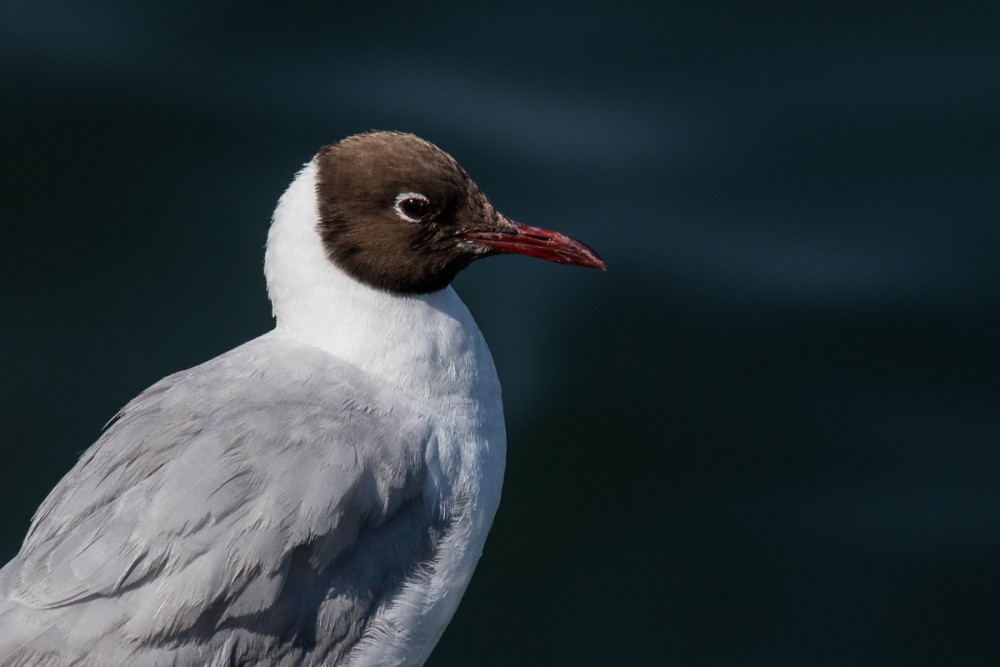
{"points": [[319, 495]]}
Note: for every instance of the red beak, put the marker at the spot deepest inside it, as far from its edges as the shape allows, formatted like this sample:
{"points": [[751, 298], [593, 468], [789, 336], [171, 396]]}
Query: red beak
{"points": [[540, 243]]}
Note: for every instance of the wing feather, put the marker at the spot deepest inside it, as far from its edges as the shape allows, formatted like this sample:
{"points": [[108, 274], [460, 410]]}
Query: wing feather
{"points": [[189, 511]]}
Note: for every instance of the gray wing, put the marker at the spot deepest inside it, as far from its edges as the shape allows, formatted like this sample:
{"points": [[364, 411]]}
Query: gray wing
{"points": [[269, 509]]}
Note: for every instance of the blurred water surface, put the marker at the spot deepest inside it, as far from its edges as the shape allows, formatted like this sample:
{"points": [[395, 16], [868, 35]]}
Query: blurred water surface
{"points": [[769, 435]]}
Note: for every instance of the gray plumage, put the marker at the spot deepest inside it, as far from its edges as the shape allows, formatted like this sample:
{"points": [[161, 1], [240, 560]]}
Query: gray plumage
{"points": [[235, 550]]}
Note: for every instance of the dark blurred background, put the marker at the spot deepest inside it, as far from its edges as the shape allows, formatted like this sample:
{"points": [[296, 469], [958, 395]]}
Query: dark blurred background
{"points": [[768, 435]]}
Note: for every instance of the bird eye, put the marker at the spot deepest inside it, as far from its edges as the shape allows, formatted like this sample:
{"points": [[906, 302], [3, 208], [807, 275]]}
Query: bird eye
{"points": [[413, 207]]}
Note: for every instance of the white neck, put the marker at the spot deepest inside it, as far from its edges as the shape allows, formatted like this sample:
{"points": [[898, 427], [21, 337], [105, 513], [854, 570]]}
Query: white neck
{"points": [[426, 345]]}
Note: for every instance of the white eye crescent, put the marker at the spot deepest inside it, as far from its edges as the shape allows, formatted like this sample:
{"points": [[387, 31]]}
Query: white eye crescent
{"points": [[413, 207]]}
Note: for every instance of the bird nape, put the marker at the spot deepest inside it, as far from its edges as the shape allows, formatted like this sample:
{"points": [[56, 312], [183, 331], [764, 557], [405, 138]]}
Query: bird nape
{"points": [[321, 494]]}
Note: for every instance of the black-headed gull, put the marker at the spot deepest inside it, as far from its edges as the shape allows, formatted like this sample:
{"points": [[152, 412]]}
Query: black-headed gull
{"points": [[319, 495]]}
